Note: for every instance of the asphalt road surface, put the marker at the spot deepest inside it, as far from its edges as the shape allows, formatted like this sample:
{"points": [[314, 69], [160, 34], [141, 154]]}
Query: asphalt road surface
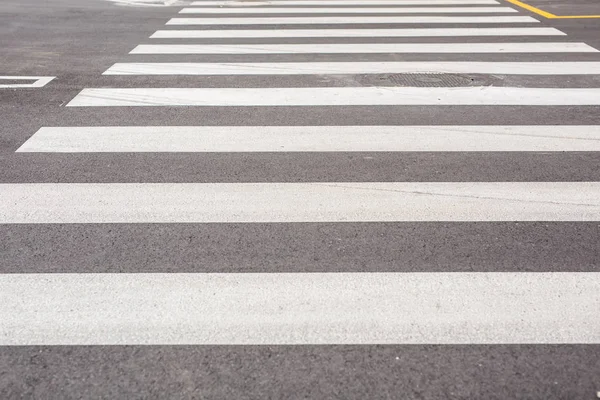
{"points": [[293, 199]]}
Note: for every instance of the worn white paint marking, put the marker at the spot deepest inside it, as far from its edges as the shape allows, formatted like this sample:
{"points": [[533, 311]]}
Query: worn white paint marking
{"points": [[312, 138], [340, 68], [228, 3], [145, 3], [354, 20], [39, 81], [342, 10], [298, 202], [346, 33], [300, 308], [335, 96], [364, 48]]}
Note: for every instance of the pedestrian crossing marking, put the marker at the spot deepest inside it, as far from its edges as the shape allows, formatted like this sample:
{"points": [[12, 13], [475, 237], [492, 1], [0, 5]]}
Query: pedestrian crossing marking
{"points": [[355, 20], [365, 48], [362, 10], [335, 96], [357, 67], [317, 308], [351, 33], [300, 308], [234, 139], [228, 3], [54, 203]]}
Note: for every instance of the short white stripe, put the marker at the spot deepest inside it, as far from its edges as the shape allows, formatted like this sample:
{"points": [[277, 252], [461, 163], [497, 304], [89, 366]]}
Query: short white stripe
{"points": [[324, 68], [341, 10], [228, 3], [145, 3], [312, 138], [298, 202], [300, 308], [364, 48], [334, 96], [39, 81], [354, 20], [346, 33]]}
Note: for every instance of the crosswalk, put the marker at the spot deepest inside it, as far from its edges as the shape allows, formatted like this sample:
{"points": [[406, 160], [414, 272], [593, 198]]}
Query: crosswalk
{"points": [[247, 308], [340, 68], [367, 48], [245, 139], [347, 10], [391, 297], [313, 20], [340, 96], [352, 33]]}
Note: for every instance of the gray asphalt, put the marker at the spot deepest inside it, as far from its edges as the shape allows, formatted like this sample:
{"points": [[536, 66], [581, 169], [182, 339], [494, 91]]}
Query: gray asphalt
{"points": [[307, 247], [77, 40], [302, 372]]}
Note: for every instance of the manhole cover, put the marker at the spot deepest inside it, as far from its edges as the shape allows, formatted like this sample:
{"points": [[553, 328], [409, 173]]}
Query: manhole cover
{"points": [[428, 80]]}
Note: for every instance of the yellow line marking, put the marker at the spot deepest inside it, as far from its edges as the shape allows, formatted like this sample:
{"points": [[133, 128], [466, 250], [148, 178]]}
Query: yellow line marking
{"points": [[546, 14], [531, 8], [575, 16]]}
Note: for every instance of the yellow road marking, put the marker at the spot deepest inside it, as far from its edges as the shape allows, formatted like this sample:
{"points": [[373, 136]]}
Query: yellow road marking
{"points": [[546, 14], [532, 8], [575, 16]]}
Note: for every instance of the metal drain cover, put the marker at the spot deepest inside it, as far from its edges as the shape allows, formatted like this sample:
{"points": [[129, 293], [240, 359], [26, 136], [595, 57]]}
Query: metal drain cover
{"points": [[429, 80]]}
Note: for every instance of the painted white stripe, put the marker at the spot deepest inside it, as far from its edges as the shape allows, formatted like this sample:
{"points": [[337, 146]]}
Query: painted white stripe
{"points": [[364, 48], [298, 202], [146, 3], [228, 3], [346, 33], [341, 10], [312, 138], [354, 20], [335, 68], [39, 81], [300, 308], [334, 96]]}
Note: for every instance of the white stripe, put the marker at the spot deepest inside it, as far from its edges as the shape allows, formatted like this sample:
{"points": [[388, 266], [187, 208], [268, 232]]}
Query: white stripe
{"points": [[39, 81], [300, 308], [364, 48], [335, 68], [228, 3], [147, 3], [312, 138], [298, 202], [345, 33], [340, 10], [335, 96], [353, 20]]}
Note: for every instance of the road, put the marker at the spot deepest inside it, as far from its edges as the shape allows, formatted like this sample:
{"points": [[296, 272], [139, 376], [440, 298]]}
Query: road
{"points": [[300, 199]]}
